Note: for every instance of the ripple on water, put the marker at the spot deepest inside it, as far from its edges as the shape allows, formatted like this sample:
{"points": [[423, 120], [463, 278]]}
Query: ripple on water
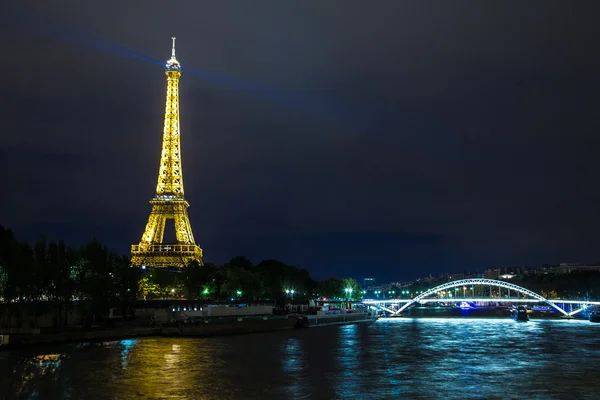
{"points": [[389, 359]]}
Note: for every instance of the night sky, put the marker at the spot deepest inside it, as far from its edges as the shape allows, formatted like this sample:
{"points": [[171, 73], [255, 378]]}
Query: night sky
{"points": [[390, 139]]}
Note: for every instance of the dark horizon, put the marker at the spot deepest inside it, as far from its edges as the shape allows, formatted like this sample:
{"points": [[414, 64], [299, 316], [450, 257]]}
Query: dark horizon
{"points": [[394, 141], [76, 240]]}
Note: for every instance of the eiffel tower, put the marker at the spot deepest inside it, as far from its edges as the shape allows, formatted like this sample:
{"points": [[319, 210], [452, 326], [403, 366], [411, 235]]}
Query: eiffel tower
{"points": [[169, 202]]}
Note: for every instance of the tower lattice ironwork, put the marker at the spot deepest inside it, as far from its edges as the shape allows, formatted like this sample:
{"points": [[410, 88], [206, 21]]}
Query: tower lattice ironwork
{"points": [[169, 202]]}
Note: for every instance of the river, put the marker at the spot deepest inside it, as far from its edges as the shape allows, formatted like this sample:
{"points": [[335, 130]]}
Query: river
{"points": [[388, 359]]}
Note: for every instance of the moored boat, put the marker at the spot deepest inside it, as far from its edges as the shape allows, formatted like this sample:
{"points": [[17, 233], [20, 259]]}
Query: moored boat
{"points": [[595, 316], [520, 314], [310, 321]]}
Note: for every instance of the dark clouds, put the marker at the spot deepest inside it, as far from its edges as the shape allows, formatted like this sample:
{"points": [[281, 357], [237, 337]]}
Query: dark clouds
{"points": [[391, 139]]}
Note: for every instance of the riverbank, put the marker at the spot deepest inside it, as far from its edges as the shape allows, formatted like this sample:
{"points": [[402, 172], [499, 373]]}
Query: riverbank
{"points": [[206, 328], [216, 327], [69, 335]]}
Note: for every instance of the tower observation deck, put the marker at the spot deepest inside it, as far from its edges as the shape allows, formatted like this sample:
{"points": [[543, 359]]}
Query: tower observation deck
{"points": [[169, 202]]}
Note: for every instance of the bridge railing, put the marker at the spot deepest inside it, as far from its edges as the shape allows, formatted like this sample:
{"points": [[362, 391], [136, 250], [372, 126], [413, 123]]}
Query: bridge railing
{"points": [[441, 293]]}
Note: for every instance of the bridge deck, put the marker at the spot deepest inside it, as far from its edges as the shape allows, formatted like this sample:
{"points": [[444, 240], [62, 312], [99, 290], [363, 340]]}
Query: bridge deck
{"points": [[478, 299]]}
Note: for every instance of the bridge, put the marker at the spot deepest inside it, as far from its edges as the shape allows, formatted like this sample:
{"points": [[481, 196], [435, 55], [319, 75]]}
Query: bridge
{"points": [[450, 292]]}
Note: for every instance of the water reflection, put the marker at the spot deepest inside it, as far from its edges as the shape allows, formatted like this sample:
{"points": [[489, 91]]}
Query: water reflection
{"points": [[293, 363], [390, 359], [127, 345], [349, 361], [37, 368]]}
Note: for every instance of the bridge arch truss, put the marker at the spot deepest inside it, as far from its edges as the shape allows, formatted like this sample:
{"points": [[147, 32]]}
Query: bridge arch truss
{"points": [[480, 281]]}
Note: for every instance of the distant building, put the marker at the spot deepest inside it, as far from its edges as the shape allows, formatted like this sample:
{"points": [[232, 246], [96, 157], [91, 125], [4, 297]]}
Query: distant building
{"points": [[563, 268], [567, 268], [369, 283], [401, 285], [503, 272]]}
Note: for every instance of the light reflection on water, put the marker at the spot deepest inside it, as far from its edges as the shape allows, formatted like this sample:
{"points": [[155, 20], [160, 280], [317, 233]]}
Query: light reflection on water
{"points": [[389, 359]]}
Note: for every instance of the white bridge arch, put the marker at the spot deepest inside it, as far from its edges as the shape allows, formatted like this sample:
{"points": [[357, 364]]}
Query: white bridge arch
{"points": [[480, 281]]}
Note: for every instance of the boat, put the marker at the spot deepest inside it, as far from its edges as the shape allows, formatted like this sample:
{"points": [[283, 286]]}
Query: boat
{"points": [[342, 318], [217, 320], [519, 314], [595, 316]]}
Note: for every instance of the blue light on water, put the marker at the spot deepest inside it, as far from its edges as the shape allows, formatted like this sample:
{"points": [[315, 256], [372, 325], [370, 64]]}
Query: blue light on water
{"points": [[127, 345], [465, 306]]}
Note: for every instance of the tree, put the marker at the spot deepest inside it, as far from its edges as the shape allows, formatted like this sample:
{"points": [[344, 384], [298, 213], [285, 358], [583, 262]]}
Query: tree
{"points": [[239, 261], [57, 278], [147, 289], [200, 281], [353, 288], [550, 295], [7, 252], [169, 282], [126, 284], [3, 281], [54, 275], [242, 283], [276, 277], [331, 288]]}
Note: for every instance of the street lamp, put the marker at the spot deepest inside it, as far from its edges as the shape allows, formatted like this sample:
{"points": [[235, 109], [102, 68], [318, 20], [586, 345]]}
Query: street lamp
{"points": [[348, 296], [348, 292], [239, 293], [290, 292]]}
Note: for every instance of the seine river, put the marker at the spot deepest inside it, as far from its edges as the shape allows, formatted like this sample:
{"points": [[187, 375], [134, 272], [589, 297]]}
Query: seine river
{"points": [[388, 359]]}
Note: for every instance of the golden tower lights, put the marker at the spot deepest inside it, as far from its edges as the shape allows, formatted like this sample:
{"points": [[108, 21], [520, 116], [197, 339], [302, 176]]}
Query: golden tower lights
{"points": [[169, 202]]}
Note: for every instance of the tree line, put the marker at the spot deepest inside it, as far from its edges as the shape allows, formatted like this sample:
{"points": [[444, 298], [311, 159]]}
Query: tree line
{"points": [[240, 280], [35, 278], [92, 277], [574, 285]]}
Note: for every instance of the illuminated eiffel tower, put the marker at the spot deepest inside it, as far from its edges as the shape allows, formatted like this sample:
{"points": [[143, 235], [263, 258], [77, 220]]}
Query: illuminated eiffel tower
{"points": [[169, 202]]}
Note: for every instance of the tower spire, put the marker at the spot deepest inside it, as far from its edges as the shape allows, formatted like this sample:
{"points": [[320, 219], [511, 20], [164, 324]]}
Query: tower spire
{"points": [[169, 202]]}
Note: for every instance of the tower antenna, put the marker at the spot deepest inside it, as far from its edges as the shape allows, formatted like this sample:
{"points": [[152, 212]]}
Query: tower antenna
{"points": [[173, 51]]}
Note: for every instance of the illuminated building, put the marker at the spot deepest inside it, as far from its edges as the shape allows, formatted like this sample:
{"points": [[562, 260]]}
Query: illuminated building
{"points": [[169, 202], [368, 283]]}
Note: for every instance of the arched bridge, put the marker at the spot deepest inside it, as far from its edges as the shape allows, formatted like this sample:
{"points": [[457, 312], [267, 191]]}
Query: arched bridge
{"points": [[533, 297]]}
